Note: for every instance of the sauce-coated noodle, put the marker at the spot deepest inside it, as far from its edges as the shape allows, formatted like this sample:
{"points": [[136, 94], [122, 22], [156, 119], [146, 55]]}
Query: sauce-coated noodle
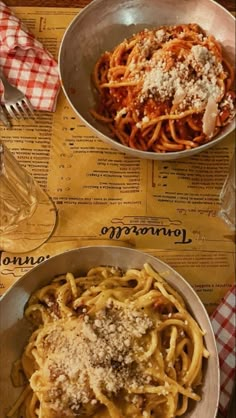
{"points": [[165, 90]]}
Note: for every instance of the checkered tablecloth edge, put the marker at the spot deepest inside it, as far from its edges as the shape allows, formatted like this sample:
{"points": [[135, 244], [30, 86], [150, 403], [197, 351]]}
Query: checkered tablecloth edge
{"points": [[223, 323], [26, 63]]}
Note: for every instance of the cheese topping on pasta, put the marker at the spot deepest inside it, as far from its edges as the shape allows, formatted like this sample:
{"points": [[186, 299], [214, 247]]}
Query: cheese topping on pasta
{"points": [[110, 344], [155, 88], [81, 357]]}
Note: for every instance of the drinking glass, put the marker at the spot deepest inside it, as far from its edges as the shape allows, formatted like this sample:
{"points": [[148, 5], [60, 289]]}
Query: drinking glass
{"points": [[227, 197], [27, 214]]}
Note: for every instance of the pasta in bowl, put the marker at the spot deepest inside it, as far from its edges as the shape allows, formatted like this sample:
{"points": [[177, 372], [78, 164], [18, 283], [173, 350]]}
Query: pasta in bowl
{"points": [[165, 89], [153, 81], [111, 339]]}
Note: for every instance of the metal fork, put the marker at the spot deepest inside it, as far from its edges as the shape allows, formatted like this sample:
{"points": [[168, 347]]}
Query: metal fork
{"points": [[16, 103], [3, 118]]}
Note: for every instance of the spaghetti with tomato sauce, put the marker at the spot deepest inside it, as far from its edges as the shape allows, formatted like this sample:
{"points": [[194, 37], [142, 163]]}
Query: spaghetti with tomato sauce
{"points": [[166, 89]]}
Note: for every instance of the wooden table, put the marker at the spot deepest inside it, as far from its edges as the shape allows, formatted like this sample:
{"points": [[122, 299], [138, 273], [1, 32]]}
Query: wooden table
{"points": [[230, 5]]}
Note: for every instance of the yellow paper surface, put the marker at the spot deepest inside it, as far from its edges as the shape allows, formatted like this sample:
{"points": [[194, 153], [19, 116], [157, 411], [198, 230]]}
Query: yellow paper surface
{"points": [[168, 209]]}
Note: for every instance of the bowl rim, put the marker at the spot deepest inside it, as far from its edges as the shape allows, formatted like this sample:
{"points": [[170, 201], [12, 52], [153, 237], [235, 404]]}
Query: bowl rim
{"points": [[107, 138]]}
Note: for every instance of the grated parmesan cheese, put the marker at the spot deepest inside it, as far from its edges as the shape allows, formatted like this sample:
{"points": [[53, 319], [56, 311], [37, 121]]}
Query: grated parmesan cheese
{"points": [[81, 355], [188, 83], [160, 35], [201, 54]]}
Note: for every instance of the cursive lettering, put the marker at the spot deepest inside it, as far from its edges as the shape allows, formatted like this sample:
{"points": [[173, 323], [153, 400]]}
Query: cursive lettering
{"points": [[117, 231], [21, 260]]}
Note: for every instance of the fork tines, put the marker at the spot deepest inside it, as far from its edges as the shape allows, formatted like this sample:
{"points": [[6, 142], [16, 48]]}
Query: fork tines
{"points": [[3, 117], [16, 103], [22, 108]]}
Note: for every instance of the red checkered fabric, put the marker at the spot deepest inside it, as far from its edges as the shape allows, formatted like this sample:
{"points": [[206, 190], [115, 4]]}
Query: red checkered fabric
{"points": [[26, 63], [223, 322]]}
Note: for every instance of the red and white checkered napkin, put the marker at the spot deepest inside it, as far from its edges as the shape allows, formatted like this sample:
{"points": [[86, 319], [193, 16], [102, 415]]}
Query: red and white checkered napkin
{"points": [[26, 63], [223, 322]]}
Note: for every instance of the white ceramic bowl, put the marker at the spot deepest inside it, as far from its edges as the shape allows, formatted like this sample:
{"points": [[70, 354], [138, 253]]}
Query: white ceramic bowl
{"points": [[14, 329], [103, 24]]}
